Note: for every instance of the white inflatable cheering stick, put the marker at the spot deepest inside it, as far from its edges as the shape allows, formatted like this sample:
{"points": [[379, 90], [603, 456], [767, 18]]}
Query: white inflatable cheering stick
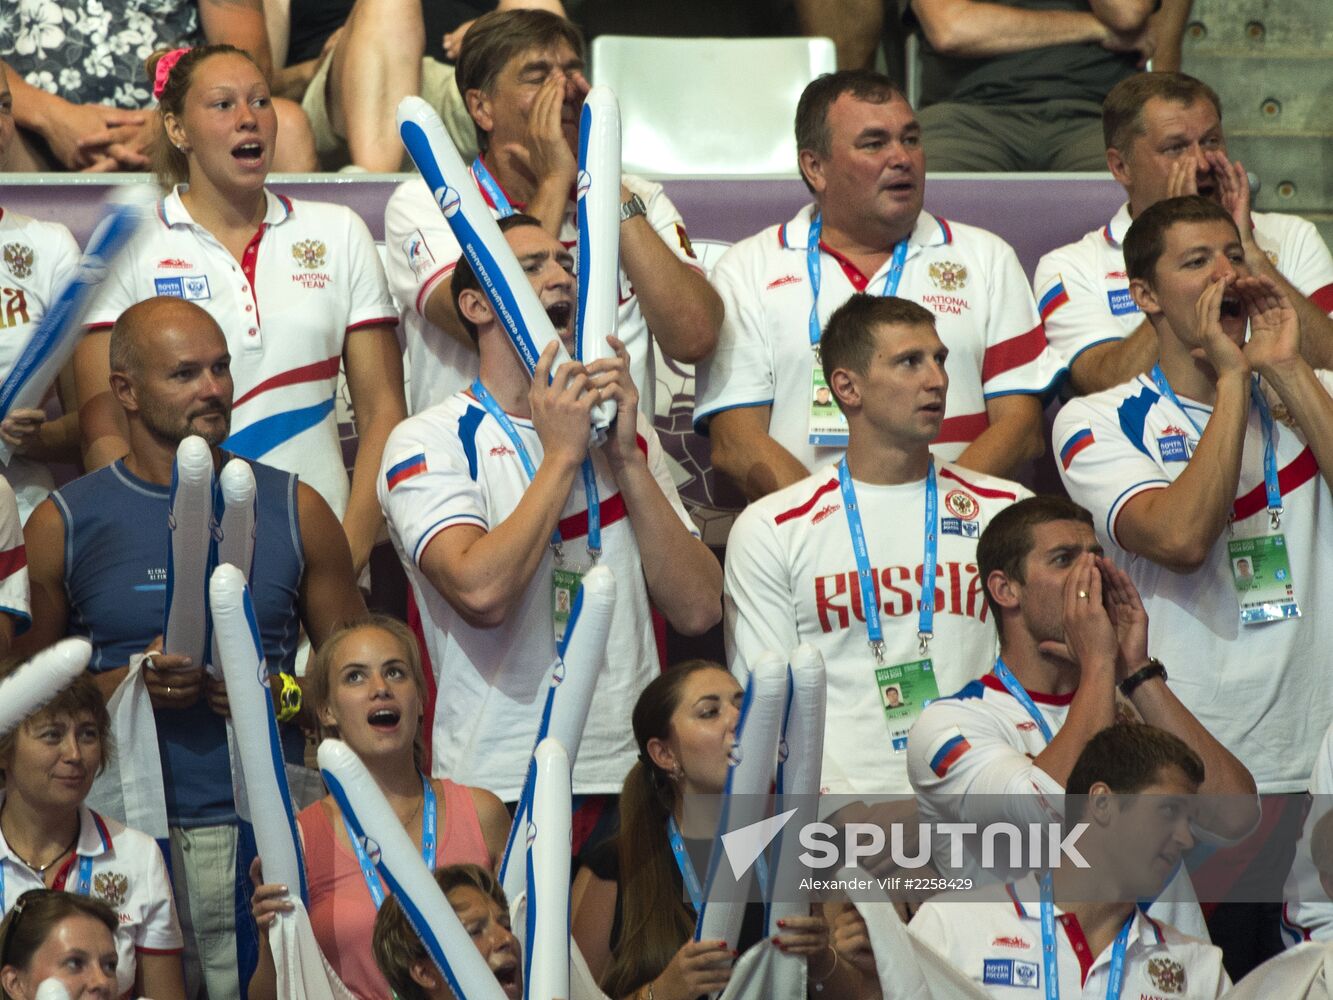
{"points": [[745, 799], [546, 927], [581, 658], [236, 632], [34, 683], [190, 522], [484, 247], [372, 821], [236, 483], [599, 225], [53, 341]]}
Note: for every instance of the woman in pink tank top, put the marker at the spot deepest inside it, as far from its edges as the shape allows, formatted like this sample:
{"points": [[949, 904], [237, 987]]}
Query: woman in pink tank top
{"points": [[367, 687]]}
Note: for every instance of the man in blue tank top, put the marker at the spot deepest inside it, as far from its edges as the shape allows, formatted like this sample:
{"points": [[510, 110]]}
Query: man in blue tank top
{"points": [[101, 573]]}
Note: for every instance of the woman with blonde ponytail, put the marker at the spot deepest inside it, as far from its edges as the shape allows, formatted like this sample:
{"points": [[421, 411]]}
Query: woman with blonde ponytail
{"points": [[632, 918]]}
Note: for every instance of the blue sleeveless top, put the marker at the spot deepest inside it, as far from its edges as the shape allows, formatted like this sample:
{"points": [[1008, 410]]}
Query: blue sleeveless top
{"points": [[116, 543]]}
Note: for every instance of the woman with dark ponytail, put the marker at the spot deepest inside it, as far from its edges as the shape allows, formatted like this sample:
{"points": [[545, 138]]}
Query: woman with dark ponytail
{"points": [[630, 915]]}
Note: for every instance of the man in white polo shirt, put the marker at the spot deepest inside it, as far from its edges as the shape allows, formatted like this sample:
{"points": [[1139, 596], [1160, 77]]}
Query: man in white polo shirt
{"points": [[861, 157], [1076, 932], [495, 527], [521, 74], [793, 573], [1164, 138]]}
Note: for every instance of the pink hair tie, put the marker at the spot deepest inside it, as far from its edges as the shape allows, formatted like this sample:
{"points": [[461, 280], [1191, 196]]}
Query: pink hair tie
{"points": [[164, 67]]}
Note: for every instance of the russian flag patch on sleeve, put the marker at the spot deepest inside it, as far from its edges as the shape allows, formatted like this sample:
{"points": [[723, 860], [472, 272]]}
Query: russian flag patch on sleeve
{"points": [[406, 468], [949, 746], [1053, 298], [1076, 442]]}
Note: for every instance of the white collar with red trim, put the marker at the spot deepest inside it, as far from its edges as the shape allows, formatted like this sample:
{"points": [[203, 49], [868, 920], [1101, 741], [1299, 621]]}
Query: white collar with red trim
{"points": [[929, 231], [1114, 231], [172, 211], [94, 837]]}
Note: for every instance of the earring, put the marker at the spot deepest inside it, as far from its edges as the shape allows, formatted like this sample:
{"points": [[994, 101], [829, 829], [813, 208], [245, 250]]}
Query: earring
{"points": [[676, 772]]}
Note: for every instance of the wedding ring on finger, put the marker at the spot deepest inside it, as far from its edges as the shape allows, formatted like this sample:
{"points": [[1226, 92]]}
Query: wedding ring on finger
{"points": [[1083, 595]]}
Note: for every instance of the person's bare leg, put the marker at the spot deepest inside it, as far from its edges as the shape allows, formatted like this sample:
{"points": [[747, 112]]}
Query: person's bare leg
{"points": [[295, 152], [376, 63], [854, 26]]}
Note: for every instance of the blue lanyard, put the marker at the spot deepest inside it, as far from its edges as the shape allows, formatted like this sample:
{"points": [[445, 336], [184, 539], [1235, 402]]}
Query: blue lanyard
{"points": [[691, 878], [589, 477], [866, 575], [1115, 976], [428, 822], [1011, 685], [812, 266], [488, 184], [1272, 488], [83, 887]]}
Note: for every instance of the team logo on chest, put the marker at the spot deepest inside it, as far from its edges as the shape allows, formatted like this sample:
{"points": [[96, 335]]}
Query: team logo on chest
{"points": [[309, 254], [18, 258], [1167, 975], [961, 504], [948, 275], [961, 511], [111, 888]]}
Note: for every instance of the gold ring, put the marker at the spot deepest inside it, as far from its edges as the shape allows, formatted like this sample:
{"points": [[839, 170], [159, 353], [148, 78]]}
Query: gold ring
{"points": [[1083, 595]]}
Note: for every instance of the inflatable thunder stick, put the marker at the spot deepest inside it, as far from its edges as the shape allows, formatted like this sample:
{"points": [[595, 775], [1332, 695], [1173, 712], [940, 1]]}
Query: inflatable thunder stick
{"points": [[546, 930], [190, 524], [800, 762], [236, 632], [53, 341], [598, 193], [372, 821], [236, 483], [746, 797], [516, 305], [35, 682], [581, 658]]}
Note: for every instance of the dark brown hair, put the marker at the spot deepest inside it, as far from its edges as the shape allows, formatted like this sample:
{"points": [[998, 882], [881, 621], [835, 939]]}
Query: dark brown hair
{"points": [[1146, 239], [848, 340], [79, 697], [812, 131], [501, 35], [465, 278], [1005, 543], [35, 914], [1122, 109], [1127, 758]]}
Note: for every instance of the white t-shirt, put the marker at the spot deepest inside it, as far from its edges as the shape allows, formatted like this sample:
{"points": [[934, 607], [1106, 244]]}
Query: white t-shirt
{"points": [[791, 577], [454, 465], [969, 278], [997, 943], [421, 252], [127, 874], [1262, 690], [14, 597], [36, 260], [1307, 912], [1083, 291], [310, 277]]}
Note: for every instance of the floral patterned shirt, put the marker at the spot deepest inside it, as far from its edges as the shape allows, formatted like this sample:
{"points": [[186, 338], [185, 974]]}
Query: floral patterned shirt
{"points": [[93, 51]]}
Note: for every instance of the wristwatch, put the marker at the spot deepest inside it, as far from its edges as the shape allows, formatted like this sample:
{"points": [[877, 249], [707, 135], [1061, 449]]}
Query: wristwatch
{"points": [[1131, 683], [629, 209]]}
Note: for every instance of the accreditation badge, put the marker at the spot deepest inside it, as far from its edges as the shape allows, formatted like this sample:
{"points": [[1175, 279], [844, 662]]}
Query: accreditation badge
{"points": [[903, 690], [828, 426], [565, 585], [1261, 571]]}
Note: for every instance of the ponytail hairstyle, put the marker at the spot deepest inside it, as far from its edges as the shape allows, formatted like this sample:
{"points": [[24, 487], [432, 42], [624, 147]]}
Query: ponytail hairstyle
{"points": [[654, 918], [170, 165]]}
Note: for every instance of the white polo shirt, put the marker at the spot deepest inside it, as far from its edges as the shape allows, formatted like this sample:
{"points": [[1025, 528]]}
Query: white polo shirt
{"points": [[454, 465], [997, 943], [128, 874], [309, 278], [1262, 690], [1083, 291], [969, 278], [1307, 912], [422, 252], [791, 577], [37, 259]]}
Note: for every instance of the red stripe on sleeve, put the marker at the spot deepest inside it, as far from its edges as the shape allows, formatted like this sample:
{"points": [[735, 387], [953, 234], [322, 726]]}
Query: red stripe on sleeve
{"points": [[12, 560], [1323, 298], [806, 507], [1013, 353], [965, 429]]}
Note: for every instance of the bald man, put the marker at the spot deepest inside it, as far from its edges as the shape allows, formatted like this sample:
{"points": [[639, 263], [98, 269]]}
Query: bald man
{"points": [[97, 566]]}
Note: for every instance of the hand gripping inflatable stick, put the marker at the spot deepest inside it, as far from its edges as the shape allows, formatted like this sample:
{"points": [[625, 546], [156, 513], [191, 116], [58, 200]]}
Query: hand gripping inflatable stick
{"points": [[34, 683], [598, 193], [370, 819], [237, 633], [745, 799], [516, 305], [546, 928], [579, 664], [190, 522], [52, 343], [800, 761]]}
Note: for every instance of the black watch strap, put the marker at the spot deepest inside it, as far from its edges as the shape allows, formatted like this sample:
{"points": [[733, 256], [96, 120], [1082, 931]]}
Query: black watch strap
{"points": [[1131, 683]]}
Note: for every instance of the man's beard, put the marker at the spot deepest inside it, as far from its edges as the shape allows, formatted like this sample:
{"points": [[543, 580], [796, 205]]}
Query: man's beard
{"points": [[171, 427]]}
